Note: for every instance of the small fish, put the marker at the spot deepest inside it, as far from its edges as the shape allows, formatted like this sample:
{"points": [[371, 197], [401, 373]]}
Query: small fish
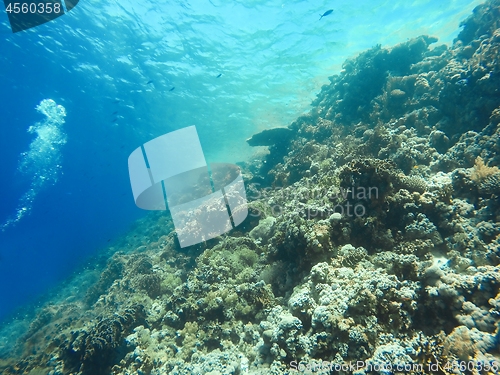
{"points": [[115, 112], [114, 120], [328, 12], [150, 81], [116, 101], [172, 89], [220, 74]]}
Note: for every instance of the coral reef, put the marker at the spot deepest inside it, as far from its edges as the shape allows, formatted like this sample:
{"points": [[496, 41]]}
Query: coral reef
{"points": [[373, 238]]}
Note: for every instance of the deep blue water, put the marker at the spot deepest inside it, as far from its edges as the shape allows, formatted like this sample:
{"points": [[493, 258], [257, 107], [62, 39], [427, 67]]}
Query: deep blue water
{"points": [[98, 59]]}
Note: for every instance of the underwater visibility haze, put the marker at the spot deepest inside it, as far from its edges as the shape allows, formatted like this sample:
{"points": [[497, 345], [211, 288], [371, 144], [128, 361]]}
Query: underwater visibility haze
{"points": [[358, 146]]}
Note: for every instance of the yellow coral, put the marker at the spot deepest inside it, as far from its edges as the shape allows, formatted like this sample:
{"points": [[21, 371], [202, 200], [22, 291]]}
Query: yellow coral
{"points": [[480, 170]]}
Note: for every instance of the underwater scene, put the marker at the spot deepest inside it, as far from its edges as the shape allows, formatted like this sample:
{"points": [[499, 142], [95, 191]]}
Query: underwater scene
{"points": [[250, 187]]}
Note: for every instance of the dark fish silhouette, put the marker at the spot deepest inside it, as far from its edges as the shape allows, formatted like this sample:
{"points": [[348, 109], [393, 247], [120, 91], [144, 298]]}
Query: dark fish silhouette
{"points": [[115, 112], [328, 12], [114, 120], [220, 74], [172, 89], [150, 81]]}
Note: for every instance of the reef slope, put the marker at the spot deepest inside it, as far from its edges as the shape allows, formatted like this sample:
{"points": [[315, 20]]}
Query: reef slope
{"points": [[373, 236]]}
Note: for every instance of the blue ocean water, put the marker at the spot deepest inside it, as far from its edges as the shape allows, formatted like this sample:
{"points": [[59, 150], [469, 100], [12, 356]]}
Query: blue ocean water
{"points": [[126, 72]]}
